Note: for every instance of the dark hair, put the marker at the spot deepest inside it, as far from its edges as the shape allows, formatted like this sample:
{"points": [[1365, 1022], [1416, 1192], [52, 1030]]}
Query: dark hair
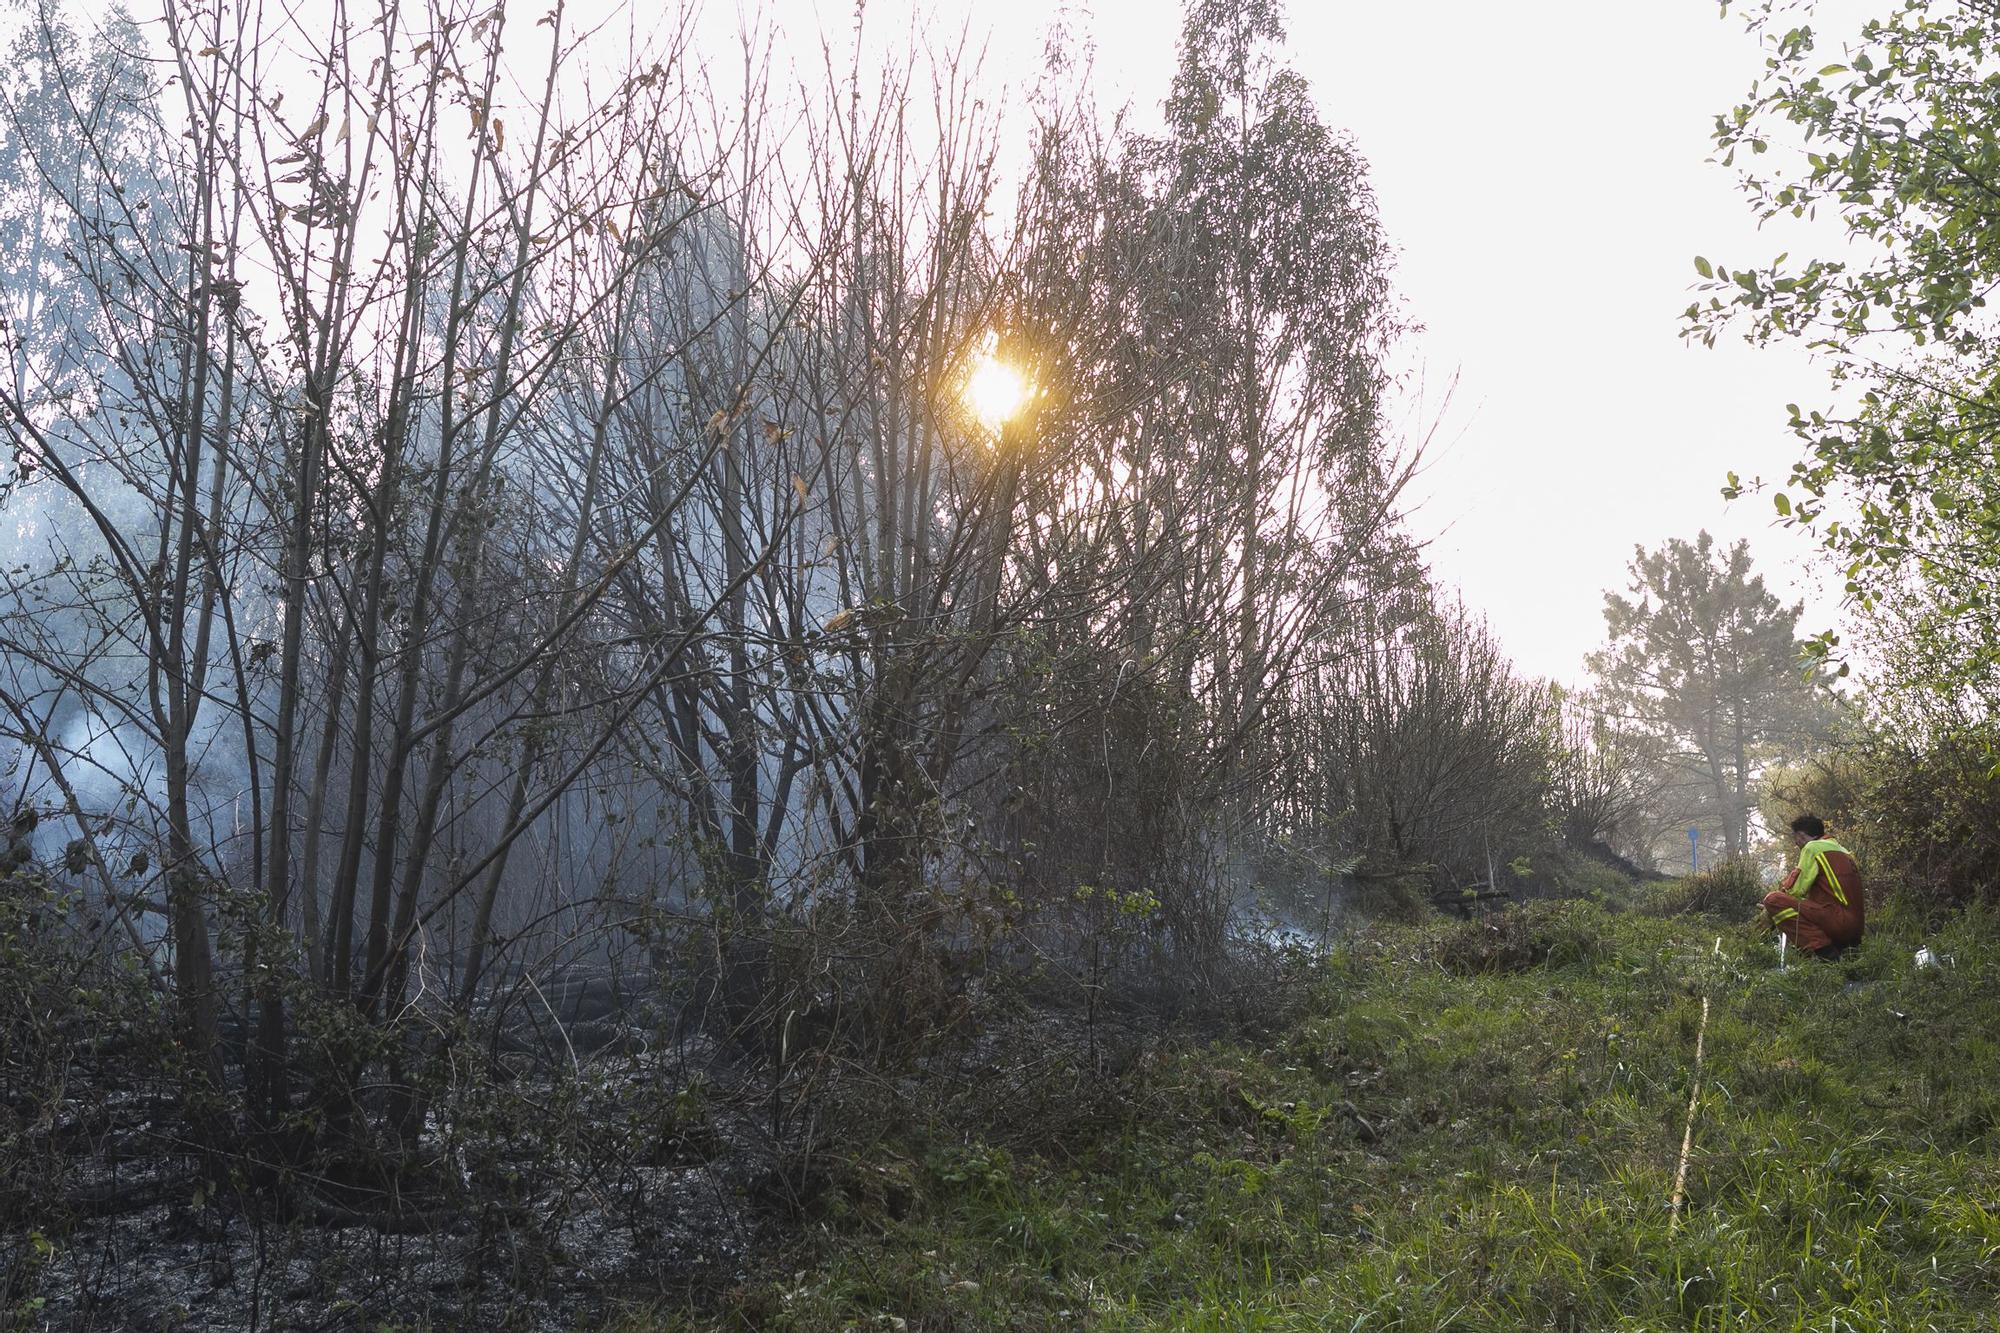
{"points": [[1810, 825]]}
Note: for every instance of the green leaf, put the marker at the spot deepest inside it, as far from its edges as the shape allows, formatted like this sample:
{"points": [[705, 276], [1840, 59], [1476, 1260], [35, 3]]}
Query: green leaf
{"points": [[1703, 267], [1784, 504]]}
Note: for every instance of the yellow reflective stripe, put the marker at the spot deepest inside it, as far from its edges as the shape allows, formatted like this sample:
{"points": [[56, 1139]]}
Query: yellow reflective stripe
{"points": [[1786, 914], [1832, 880]]}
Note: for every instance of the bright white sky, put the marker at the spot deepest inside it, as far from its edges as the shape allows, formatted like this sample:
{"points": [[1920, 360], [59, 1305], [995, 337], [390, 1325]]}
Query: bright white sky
{"points": [[1543, 170]]}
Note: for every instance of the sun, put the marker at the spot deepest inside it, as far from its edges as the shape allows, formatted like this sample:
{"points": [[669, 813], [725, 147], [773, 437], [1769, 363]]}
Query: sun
{"points": [[995, 390]]}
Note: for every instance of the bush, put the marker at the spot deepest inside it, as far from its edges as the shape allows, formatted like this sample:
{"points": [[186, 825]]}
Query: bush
{"points": [[71, 1007], [1731, 889], [1537, 934], [1930, 822], [1581, 877]]}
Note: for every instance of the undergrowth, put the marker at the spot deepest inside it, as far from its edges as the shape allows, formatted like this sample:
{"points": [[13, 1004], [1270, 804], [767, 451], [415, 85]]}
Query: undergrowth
{"points": [[1475, 1126]]}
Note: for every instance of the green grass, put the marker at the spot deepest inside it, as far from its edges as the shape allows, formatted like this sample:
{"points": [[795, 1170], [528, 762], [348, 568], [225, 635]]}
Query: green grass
{"points": [[1477, 1128]]}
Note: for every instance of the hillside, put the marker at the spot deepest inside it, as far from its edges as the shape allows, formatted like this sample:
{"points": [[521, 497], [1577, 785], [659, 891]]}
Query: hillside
{"points": [[1473, 1126], [692, 668]]}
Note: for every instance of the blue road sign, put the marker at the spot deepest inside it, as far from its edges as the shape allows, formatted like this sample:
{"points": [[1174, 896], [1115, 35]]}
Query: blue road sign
{"points": [[1694, 850]]}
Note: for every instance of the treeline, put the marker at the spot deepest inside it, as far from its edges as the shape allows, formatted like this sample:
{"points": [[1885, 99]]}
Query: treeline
{"points": [[468, 525]]}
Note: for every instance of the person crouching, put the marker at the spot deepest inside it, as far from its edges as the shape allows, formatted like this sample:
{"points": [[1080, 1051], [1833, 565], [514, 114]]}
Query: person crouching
{"points": [[1819, 905]]}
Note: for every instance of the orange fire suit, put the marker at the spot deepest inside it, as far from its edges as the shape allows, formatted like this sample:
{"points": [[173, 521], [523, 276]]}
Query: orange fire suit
{"points": [[1819, 906]]}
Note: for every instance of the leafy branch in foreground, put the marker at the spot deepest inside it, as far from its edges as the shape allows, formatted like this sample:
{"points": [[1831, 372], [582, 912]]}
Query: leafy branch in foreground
{"points": [[1899, 137]]}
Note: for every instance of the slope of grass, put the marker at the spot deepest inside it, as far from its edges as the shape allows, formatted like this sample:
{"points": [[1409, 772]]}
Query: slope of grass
{"points": [[1477, 1127]]}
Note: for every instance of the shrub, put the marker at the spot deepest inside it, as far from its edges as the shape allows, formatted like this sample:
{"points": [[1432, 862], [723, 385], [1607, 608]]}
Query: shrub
{"points": [[1581, 877], [1731, 889], [1554, 934], [1930, 821]]}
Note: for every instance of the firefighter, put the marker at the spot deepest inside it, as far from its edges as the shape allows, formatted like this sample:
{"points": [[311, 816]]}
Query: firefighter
{"points": [[1819, 905]]}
